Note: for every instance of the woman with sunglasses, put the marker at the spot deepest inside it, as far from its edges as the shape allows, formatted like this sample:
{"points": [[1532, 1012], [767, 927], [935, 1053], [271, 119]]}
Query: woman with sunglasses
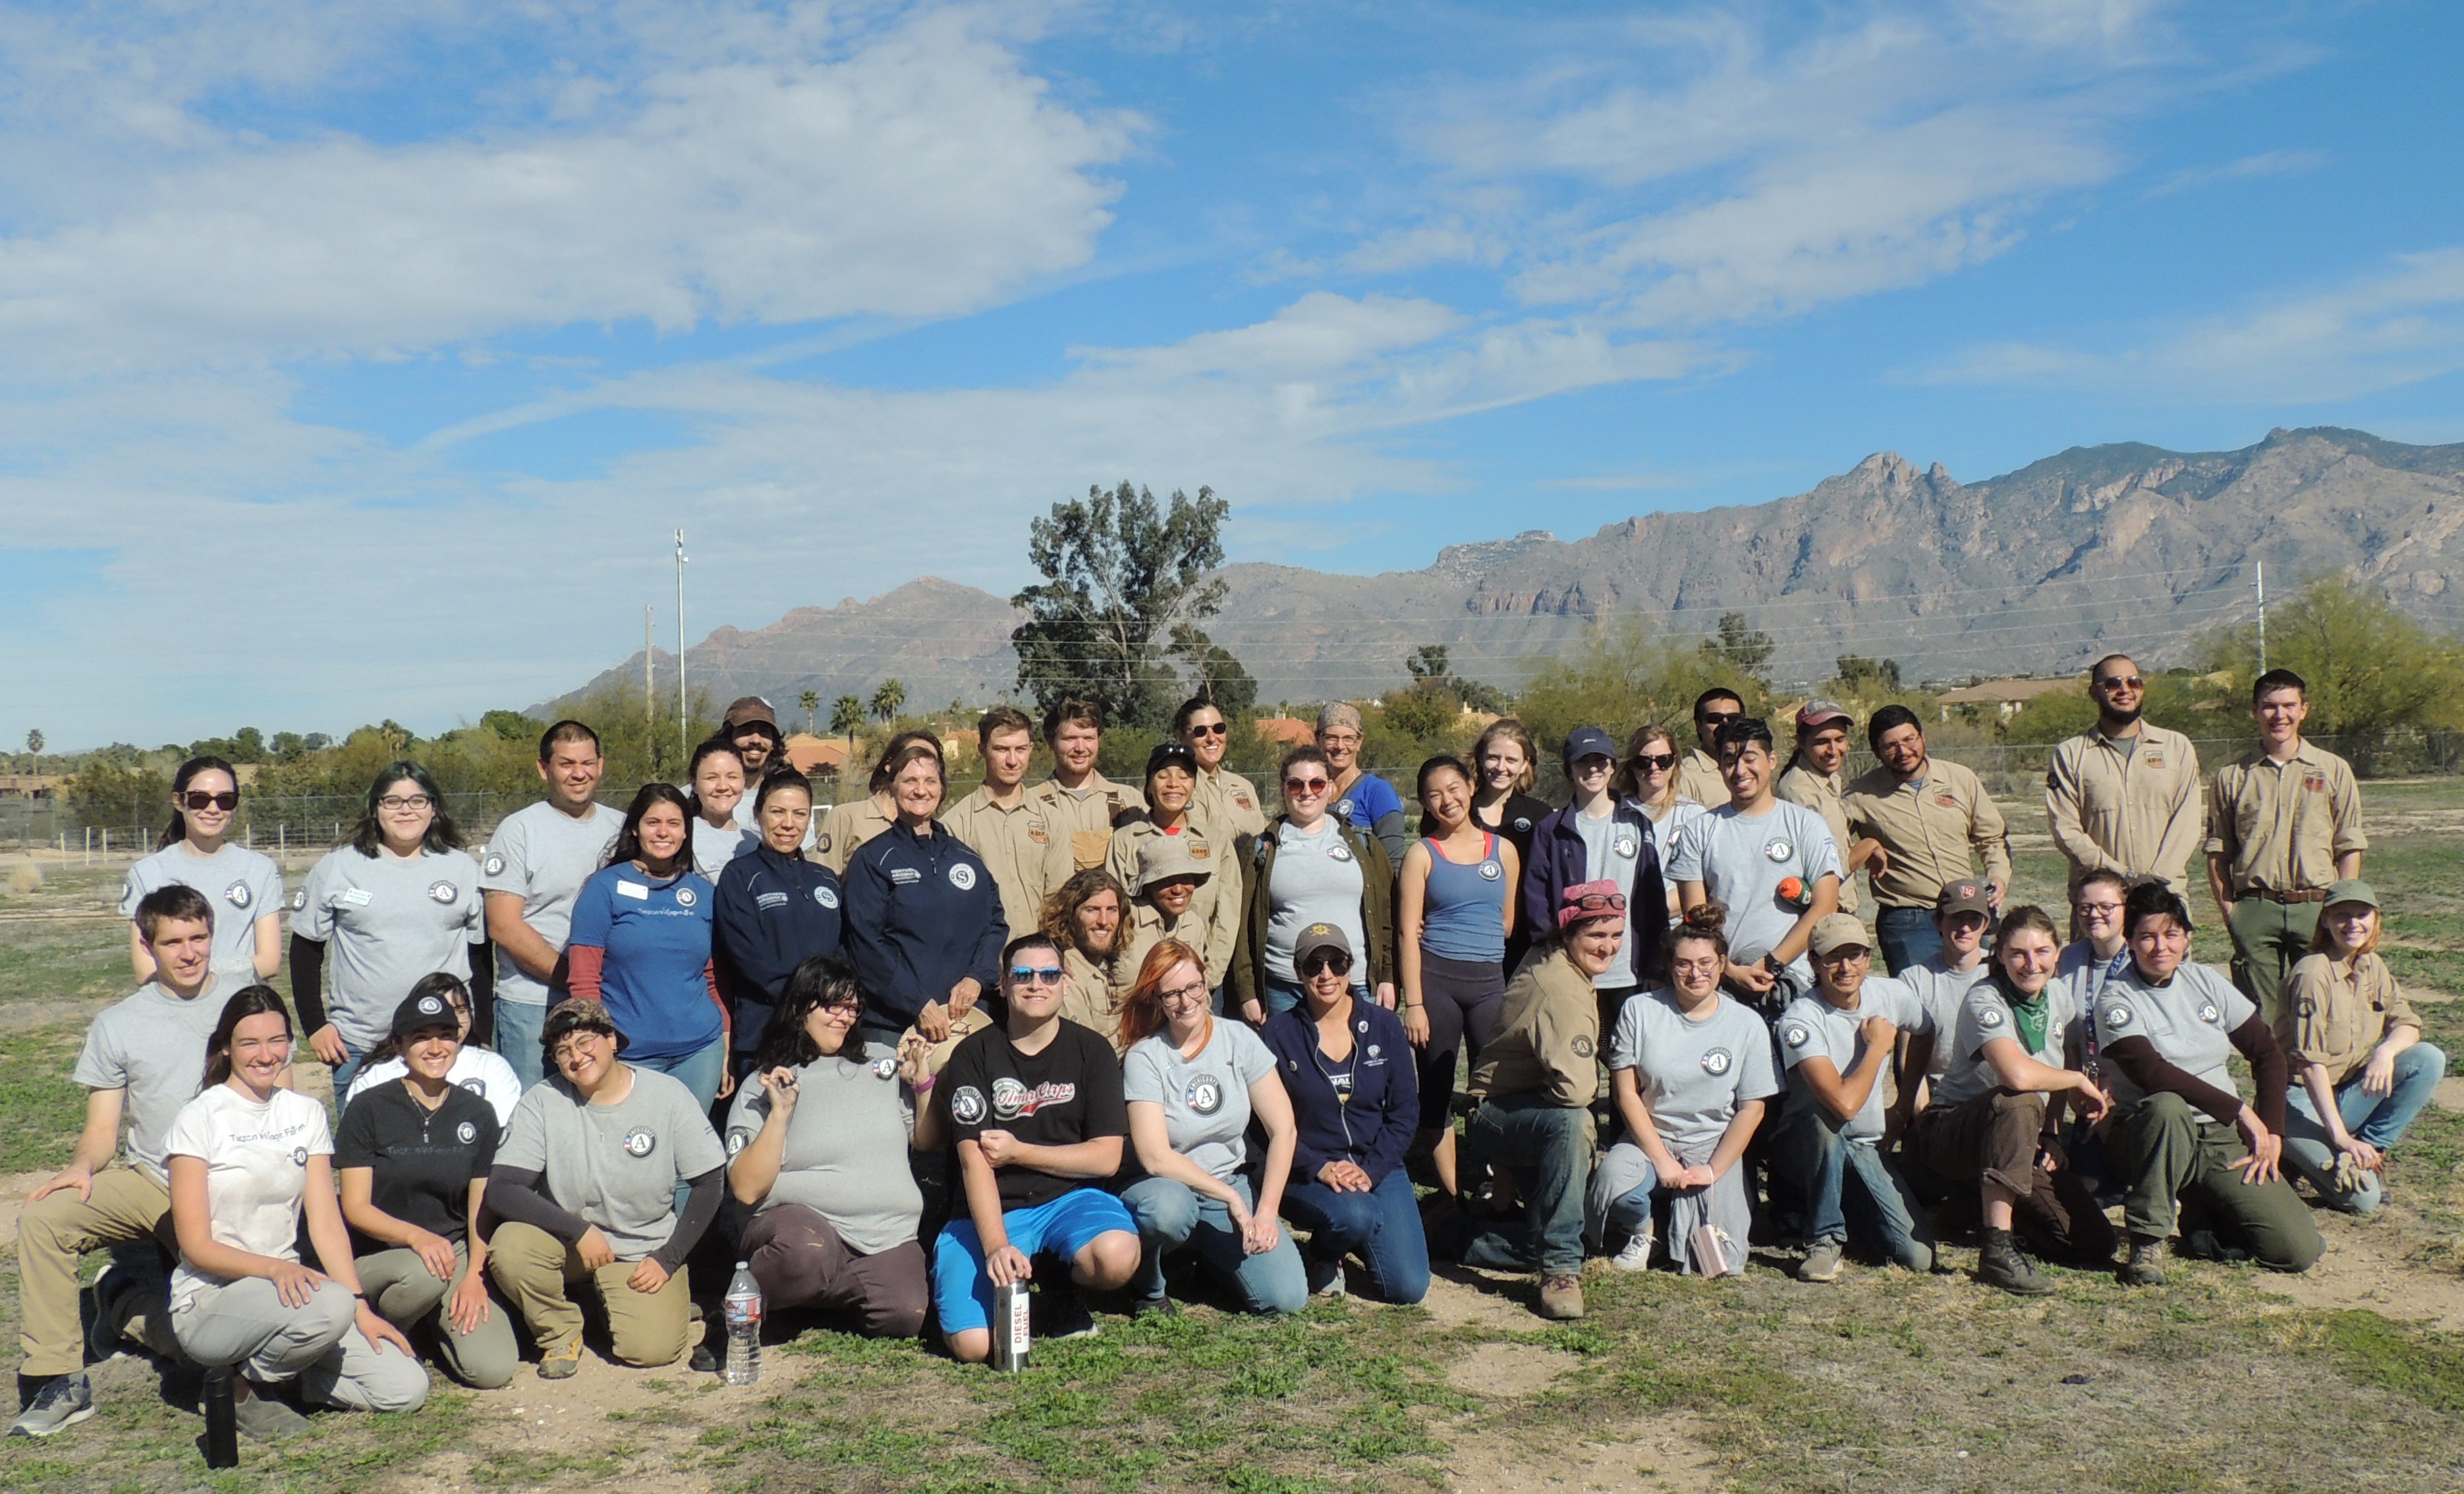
{"points": [[483, 1072], [1601, 836], [412, 1156], [924, 920], [1355, 1108], [244, 887], [398, 902], [816, 1145], [1228, 804], [1362, 800], [641, 945], [1193, 1084], [1169, 814], [1648, 776], [1087, 917], [717, 773], [1455, 913], [1309, 867]]}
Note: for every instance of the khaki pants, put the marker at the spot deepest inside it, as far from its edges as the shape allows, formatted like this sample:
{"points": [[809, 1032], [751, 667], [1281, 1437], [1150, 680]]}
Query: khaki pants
{"points": [[537, 1272], [127, 1207], [404, 1291], [1994, 1138]]}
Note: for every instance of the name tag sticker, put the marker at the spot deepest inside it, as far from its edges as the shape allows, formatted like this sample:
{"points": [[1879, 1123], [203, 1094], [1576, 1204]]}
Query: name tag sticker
{"points": [[771, 900], [2153, 756], [2315, 783], [356, 896], [633, 889]]}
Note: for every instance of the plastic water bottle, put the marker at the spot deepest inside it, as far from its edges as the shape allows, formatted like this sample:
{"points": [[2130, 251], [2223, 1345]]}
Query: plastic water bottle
{"points": [[743, 1327]]}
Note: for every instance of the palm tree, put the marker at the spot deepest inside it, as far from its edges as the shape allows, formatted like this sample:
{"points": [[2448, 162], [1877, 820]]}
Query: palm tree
{"points": [[889, 700], [811, 701], [847, 714]]}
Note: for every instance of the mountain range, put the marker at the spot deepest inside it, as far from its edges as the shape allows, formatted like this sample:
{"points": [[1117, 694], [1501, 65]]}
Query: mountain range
{"points": [[2100, 548]]}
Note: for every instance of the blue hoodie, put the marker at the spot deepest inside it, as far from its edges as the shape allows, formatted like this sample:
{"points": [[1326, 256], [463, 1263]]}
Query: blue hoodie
{"points": [[1374, 1129], [922, 913]]}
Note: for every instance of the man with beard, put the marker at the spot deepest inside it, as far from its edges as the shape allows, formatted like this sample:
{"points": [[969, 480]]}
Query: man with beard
{"points": [[2124, 797]]}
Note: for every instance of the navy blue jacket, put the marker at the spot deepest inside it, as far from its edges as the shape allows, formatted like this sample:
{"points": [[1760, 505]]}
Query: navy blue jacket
{"points": [[773, 913], [922, 913], [1558, 861], [1374, 1129]]}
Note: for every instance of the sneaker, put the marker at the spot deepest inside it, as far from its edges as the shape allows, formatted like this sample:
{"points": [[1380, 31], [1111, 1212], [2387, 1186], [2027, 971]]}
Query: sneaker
{"points": [[1064, 1315], [2146, 1264], [1162, 1307], [2001, 1265], [1561, 1298], [1326, 1278], [262, 1418], [561, 1364], [63, 1401], [1821, 1263], [1636, 1254]]}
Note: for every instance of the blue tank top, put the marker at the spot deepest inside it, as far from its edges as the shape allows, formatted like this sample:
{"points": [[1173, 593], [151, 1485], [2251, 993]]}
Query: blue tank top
{"points": [[1462, 911]]}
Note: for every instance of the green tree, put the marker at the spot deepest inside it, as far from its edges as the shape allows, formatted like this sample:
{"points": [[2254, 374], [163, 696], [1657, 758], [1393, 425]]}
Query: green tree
{"points": [[811, 701], [889, 700], [509, 726], [846, 717], [1740, 648], [2371, 669], [118, 796], [1620, 677], [1859, 675], [1214, 674], [1122, 573], [1428, 662], [35, 744], [289, 746]]}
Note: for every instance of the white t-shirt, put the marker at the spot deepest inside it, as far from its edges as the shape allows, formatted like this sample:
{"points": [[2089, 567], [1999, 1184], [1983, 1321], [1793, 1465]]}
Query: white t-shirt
{"points": [[483, 1073], [1741, 860], [256, 1172]]}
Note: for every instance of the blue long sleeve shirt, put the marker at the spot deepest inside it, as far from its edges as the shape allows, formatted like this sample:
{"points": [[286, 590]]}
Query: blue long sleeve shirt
{"points": [[774, 913], [922, 913], [1373, 1127]]}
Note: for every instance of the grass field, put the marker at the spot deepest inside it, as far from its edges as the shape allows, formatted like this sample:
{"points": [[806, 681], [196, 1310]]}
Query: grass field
{"points": [[2218, 1381]]}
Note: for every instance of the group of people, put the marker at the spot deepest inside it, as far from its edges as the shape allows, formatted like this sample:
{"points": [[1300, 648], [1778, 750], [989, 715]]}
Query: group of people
{"points": [[1168, 1037]]}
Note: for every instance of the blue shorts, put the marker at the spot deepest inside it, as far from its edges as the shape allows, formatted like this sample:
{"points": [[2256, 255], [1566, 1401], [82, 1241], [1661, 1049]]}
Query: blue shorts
{"points": [[964, 1293]]}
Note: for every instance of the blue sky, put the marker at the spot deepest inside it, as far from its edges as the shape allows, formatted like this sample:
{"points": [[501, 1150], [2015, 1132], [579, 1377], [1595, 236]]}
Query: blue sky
{"points": [[364, 356]]}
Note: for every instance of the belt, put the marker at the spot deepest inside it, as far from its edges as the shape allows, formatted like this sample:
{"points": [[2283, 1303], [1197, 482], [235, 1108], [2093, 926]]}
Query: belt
{"points": [[2315, 894]]}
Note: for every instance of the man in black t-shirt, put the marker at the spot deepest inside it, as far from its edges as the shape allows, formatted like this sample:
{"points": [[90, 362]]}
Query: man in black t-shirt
{"points": [[1037, 1112]]}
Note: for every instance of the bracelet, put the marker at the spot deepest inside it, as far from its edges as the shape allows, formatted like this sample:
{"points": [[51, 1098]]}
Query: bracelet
{"points": [[930, 1080]]}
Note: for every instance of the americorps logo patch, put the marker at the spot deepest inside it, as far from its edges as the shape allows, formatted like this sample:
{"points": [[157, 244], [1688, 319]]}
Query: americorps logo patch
{"points": [[1204, 1095], [686, 897], [443, 891], [495, 864], [1716, 1061], [239, 895], [2115, 1016], [466, 1133], [640, 1141], [1989, 1017], [967, 1105], [1796, 1035]]}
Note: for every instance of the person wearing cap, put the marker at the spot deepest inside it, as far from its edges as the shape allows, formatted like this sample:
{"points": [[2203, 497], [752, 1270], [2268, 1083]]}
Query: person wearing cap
{"points": [[1362, 800], [2284, 820], [846, 828], [1962, 914], [1026, 856], [1995, 1115], [1700, 778], [751, 728], [1772, 863], [2361, 1073], [584, 1185], [1078, 802], [776, 910], [1834, 1040], [924, 923], [412, 1157], [476, 1068], [2182, 1139], [1813, 778], [1308, 867], [2124, 794], [1172, 891], [1600, 836], [530, 873], [1355, 1109], [1087, 916], [1226, 803], [1454, 914], [1036, 1106], [1170, 815], [1931, 824], [1535, 1087]]}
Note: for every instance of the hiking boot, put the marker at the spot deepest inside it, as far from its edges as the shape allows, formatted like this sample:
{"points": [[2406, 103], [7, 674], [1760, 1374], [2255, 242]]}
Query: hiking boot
{"points": [[1326, 1278], [63, 1401], [2001, 1265], [262, 1418], [561, 1364], [1636, 1254], [1158, 1306], [1821, 1263], [2146, 1266], [1561, 1298]]}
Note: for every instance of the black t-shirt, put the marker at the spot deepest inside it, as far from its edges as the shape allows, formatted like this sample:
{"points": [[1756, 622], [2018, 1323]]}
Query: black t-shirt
{"points": [[1069, 1092], [423, 1160]]}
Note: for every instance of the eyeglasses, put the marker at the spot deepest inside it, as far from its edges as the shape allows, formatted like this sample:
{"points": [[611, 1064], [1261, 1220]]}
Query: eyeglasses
{"points": [[2106, 909], [1308, 785], [579, 1043], [397, 803], [1196, 991], [2121, 682], [1219, 729], [845, 1011], [199, 798], [1325, 959], [1654, 762], [1599, 902], [1034, 975]]}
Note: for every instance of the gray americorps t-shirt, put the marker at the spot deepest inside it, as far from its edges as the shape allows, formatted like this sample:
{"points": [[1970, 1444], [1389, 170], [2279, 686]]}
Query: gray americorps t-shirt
{"points": [[545, 855], [2190, 1019], [1741, 861], [1943, 991], [1317, 879], [242, 884], [1811, 1027], [846, 1152], [388, 922], [153, 1046], [615, 1166], [1612, 848], [1692, 1073], [1206, 1099], [1985, 1015]]}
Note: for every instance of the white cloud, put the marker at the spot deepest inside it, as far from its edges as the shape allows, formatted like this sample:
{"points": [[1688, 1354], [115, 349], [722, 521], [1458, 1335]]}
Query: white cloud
{"points": [[2266, 164]]}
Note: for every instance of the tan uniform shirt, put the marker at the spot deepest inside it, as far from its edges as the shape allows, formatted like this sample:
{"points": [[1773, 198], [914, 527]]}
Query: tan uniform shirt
{"points": [[1088, 998], [849, 825], [1028, 861], [1698, 779], [1146, 927], [1547, 1036], [1216, 906], [2280, 825], [1927, 832], [2135, 812], [2333, 1016], [1820, 792], [1086, 816], [1227, 804]]}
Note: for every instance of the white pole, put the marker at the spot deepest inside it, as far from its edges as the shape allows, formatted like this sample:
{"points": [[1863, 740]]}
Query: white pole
{"points": [[684, 727], [650, 686], [2259, 577]]}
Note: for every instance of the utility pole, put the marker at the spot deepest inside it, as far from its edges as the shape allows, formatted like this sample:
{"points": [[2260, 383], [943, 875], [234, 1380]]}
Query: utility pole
{"points": [[684, 722], [650, 700], [2258, 578]]}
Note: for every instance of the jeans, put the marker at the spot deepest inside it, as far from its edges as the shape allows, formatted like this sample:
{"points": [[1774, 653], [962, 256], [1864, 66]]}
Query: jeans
{"points": [[1907, 937], [1381, 1226], [1878, 1213], [1171, 1215], [1282, 995], [1548, 1148], [2379, 1119], [517, 1039], [702, 1070]]}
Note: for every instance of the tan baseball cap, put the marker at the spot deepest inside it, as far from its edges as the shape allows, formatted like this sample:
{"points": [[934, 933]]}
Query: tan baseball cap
{"points": [[1837, 932]]}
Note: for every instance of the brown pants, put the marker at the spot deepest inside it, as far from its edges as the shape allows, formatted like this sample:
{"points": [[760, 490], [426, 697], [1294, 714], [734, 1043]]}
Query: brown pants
{"points": [[1993, 1139], [538, 1272], [800, 1261], [126, 1207]]}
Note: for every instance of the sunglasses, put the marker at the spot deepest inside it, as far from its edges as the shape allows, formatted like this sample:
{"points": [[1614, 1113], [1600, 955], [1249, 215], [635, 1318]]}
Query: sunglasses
{"points": [[1034, 975], [1719, 717], [1654, 762], [2121, 682], [1308, 785], [1219, 729], [1599, 902], [199, 798], [1325, 959]]}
